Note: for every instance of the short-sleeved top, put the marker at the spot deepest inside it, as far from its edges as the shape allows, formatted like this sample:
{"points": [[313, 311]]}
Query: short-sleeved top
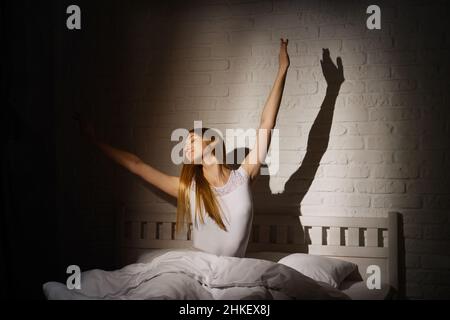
{"points": [[235, 199]]}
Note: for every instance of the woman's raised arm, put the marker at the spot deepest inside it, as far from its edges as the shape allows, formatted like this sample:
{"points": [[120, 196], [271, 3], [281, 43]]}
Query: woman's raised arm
{"points": [[133, 163], [257, 155]]}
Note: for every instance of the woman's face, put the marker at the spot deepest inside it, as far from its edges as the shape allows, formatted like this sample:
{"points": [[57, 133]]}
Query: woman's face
{"points": [[193, 148]]}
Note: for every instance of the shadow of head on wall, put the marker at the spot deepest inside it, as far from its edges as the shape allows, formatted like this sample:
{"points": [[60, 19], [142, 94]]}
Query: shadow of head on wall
{"points": [[288, 202]]}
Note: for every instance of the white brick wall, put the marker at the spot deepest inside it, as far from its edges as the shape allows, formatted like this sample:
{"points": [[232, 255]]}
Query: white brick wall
{"points": [[388, 145]]}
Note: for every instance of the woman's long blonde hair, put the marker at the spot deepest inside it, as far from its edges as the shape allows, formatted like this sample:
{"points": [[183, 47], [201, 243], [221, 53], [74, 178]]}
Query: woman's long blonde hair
{"points": [[205, 199]]}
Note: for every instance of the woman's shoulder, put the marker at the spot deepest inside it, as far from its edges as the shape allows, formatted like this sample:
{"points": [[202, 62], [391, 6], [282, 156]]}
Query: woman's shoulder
{"points": [[242, 172], [238, 177]]}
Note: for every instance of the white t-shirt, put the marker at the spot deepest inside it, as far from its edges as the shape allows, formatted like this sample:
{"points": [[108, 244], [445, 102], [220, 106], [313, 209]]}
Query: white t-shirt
{"points": [[236, 200]]}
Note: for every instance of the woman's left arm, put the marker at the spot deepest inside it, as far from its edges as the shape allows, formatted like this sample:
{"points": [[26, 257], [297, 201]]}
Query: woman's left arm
{"points": [[257, 155]]}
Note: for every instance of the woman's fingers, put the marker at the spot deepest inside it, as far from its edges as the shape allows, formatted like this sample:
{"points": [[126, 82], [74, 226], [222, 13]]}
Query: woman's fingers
{"points": [[285, 42]]}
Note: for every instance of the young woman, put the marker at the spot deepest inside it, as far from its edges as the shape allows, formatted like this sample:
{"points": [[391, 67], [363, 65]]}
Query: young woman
{"points": [[209, 193]]}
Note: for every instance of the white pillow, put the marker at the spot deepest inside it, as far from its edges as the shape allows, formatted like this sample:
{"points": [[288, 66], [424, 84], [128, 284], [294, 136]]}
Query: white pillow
{"points": [[320, 268]]}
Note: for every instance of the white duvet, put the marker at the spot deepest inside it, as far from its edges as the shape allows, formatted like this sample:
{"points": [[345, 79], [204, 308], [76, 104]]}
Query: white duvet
{"points": [[186, 274]]}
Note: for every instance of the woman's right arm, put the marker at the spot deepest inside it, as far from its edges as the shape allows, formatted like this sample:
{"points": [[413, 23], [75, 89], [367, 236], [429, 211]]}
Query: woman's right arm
{"points": [[133, 163]]}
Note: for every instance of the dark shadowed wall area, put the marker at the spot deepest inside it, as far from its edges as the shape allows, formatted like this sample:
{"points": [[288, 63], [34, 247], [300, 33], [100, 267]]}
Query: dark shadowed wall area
{"points": [[140, 69]]}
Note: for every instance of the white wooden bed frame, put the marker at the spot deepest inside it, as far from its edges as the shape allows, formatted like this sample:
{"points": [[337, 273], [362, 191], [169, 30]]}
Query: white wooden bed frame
{"points": [[364, 241]]}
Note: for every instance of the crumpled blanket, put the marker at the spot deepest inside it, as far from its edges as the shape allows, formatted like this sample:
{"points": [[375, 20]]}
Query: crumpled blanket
{"points": [[196, 275]]}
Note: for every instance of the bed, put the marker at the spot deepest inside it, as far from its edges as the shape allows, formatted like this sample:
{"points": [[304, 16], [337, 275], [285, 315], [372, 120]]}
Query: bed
{"points": [[150, 250]]}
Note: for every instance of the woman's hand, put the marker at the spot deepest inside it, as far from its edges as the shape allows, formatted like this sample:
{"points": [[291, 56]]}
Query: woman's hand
{"points": [[86, 129], [284, 56]]}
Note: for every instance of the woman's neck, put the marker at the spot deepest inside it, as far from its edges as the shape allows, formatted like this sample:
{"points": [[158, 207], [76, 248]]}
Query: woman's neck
{"points": [[215, 174]]}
